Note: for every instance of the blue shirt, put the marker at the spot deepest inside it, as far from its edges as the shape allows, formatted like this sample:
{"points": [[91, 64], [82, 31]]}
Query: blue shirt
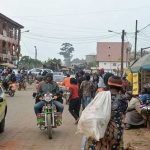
{"points": [[143, 97]]}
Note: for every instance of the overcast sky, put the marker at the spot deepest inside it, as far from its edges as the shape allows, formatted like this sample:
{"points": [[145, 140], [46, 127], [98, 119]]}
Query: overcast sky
{"points": [[82, 23]]}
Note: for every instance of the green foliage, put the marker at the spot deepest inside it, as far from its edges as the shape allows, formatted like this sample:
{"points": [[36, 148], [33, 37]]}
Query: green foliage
{"points": [[66, 51], [28, 63], [93, 64]]}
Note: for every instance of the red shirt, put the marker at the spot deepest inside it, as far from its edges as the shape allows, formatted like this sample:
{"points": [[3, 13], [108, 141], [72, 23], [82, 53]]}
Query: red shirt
{"points": [[75, 91]]}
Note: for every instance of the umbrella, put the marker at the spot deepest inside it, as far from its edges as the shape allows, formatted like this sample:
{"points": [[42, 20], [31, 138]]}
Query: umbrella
{"points": [[142, 64], [8, 65]]}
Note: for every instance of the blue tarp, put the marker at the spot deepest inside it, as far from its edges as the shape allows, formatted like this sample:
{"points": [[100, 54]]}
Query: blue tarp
{"points": [[142, 64]]}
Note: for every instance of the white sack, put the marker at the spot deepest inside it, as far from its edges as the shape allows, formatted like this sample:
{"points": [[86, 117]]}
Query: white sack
{"points": [[95, 117]]}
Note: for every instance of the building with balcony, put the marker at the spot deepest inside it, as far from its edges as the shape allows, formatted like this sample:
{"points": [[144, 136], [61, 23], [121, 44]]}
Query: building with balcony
{"points": [[10, 33]]}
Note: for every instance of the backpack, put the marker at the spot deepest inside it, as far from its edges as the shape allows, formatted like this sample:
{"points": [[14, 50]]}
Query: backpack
{"points": [[13, 78]]}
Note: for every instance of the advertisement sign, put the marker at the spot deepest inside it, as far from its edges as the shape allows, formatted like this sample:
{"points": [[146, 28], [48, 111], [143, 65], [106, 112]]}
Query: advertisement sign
{"points": [[135, 89]]}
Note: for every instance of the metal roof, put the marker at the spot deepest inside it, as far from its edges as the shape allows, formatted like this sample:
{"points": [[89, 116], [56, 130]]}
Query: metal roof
{"points": [[10, 20]]}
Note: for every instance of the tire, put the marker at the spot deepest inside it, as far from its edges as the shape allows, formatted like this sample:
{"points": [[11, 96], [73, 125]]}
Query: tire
{"points": [[19, 89], [49, 127], [2, 125], [12, 94]]}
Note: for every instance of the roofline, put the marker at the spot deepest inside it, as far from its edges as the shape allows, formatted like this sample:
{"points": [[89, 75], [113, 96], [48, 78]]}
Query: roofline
{"points": [[114, 42], [10, 20]]}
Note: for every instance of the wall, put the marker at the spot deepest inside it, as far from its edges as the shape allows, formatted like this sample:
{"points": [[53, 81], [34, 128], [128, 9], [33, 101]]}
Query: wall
{"points": [[110, 66], [90, 58]]}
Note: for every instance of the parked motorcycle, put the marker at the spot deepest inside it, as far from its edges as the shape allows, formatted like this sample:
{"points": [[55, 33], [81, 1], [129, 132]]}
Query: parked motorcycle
{"points": [[49, 117], [11, 89]]}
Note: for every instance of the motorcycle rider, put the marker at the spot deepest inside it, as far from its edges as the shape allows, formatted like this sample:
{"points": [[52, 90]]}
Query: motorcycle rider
{"points": [[51, 87], [19, 77], [7, 79]]}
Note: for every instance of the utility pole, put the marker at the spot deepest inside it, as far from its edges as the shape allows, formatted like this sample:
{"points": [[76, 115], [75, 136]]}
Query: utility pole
{"points": [[135, 39], [35, 54], [122, 51], [143, 49]]}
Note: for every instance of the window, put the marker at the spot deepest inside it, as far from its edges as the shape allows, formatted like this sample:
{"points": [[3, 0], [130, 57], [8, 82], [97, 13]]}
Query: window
{"points": [[104, 63], [114, 64]]}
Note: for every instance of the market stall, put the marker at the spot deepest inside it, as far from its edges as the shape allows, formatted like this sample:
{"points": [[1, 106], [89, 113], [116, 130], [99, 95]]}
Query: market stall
{"points": [[142, 67]]}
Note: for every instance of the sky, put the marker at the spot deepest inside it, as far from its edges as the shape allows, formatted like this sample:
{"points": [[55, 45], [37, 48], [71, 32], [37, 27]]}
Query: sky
{"points": [[82, 23]]}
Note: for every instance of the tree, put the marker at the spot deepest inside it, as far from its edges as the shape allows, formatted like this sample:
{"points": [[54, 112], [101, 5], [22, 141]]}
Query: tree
{"points": [[28, 63], [66, 51]]}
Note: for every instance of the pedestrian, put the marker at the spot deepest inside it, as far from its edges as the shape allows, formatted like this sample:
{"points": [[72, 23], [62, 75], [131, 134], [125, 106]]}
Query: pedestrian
{"points": [[66, 83], [87, 87], [81, 78], [74, 104], [77, 76], [113, 138], [101, 78], [95, 82]]}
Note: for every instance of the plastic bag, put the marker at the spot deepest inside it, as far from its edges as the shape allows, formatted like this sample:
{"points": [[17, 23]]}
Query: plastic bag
{"points": [[95, 117]]}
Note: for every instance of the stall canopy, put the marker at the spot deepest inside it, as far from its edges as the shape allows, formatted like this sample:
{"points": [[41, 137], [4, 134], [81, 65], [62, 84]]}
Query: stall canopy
{"points": [[8, 65], [142, 64]]}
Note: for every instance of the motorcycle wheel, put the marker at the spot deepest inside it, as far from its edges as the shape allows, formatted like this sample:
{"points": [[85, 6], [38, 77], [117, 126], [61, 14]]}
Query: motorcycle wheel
{"points": [[19, 89], [49, 127], [12, 94]]}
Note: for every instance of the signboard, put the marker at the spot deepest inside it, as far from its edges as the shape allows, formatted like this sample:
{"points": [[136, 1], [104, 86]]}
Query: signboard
{"points": [[135, 88], [119, 59]]}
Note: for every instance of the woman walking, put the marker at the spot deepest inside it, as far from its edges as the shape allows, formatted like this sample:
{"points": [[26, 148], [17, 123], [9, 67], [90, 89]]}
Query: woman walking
{"points": [[113, 138], [74, 104]]}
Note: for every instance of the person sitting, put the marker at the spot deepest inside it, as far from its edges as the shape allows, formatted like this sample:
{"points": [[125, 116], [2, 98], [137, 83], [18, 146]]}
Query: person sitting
{"points": [[8, 79], [132, 117], [144, 96], [48, 87], [19, 77]]}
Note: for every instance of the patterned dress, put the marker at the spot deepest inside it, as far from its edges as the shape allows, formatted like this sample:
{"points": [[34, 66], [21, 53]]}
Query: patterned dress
{"points": [[113, 138]]}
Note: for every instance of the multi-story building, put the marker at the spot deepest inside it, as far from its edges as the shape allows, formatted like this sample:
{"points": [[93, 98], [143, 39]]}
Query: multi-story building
{"points": [[109, 55], [10, 33], [90, 58]]}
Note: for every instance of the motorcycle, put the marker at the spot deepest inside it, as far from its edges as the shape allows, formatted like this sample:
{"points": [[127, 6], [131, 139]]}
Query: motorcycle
{"points": [[49, 117], [11, 89], [30, 80]]}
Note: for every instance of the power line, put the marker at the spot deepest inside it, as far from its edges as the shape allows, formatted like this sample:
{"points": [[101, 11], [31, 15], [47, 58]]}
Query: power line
{"points": [[144, 28], [72, 38], [90, 13], [88, 41], [27, 47]]}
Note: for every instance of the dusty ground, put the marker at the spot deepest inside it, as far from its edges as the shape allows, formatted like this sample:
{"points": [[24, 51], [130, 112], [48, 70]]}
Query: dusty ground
{"points": [[139, 139]]}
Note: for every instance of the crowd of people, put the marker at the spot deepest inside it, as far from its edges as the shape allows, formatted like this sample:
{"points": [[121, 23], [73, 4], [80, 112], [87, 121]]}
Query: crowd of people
{"points": [[83, 88]]}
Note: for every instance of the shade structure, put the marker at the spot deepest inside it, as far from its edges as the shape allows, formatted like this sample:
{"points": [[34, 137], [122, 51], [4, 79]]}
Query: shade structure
{"points": [[8, 65], [142, 64]]}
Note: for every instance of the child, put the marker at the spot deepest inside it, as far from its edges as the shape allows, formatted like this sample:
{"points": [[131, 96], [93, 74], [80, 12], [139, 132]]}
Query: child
{"points": [[74, 104]]}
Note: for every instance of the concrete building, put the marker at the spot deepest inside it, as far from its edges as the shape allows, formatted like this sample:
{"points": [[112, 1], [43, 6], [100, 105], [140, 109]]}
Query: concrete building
{"points": [[90, 58], [10, 33], [109, 55]]}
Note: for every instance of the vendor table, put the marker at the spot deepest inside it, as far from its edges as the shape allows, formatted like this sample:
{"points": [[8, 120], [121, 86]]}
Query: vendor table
{"points": [[145, 112]]}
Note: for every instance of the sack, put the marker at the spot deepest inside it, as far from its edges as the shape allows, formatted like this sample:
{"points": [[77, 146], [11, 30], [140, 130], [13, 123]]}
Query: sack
{"points": [[13, 78], [95, 117]]}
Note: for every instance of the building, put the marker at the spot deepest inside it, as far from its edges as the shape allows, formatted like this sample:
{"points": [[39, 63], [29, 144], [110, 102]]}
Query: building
{"points": [[109, 55], [10, 32], [90, 58]]}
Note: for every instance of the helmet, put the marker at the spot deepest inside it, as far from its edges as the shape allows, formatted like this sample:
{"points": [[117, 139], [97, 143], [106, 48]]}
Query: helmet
{"points": [[49, 75], [101, 69]]}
